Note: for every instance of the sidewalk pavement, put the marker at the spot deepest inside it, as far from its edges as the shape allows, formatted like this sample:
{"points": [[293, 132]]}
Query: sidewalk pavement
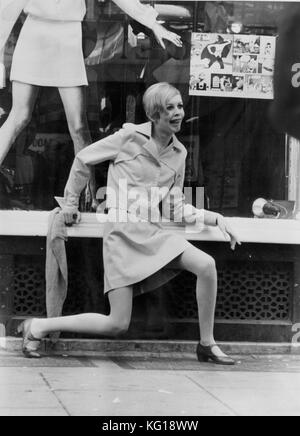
{"points": [[146, 383]]}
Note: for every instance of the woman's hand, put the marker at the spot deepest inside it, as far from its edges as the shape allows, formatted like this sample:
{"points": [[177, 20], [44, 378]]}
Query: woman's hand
{"points": [[71, 215], [228, 232], [161, 33]]}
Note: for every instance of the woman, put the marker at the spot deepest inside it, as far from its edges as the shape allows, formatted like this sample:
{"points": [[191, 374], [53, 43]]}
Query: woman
{"points": [[139, 255], [49, 53]]}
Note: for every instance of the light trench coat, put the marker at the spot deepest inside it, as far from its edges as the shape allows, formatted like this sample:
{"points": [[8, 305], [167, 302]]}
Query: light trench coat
{"points": [[137, 252]]}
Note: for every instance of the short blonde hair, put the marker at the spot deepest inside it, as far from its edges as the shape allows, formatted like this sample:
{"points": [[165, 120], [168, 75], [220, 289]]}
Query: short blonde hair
{"points": [[156, 98]]}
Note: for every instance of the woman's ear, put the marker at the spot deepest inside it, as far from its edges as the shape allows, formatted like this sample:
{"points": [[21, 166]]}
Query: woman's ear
{"points": [[151, 119], [155, 117]]}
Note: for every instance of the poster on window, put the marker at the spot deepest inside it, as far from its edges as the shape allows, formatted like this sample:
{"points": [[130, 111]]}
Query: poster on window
{"points": [[225, 65]]}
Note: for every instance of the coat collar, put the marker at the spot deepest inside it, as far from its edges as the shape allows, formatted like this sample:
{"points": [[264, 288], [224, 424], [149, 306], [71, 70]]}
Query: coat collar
{"points": [[146, 130]]}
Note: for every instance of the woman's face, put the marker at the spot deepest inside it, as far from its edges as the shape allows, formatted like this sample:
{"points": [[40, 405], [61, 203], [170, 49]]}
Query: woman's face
{"points": [[171, 118]]}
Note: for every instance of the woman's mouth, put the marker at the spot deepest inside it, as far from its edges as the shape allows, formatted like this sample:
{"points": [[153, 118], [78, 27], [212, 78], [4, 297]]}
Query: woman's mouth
{"points": [[176, 122]]}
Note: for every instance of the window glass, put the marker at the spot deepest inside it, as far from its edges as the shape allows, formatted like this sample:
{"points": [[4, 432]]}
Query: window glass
{"points": [[233, 152]]}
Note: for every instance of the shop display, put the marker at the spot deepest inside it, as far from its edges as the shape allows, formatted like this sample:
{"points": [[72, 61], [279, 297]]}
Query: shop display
{"points": [[232, 65]]}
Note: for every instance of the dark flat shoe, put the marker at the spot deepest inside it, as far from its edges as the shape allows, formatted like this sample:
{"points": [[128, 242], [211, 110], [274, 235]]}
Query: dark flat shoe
{"points": [[24, 329], [206, 354]]}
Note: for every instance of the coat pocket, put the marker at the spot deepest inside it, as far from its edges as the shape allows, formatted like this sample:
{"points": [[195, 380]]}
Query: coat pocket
{"points": [[138, 168]]}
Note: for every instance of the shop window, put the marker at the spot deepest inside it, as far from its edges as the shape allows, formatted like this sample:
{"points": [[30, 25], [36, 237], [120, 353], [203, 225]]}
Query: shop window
{"points": [[233, 151]]}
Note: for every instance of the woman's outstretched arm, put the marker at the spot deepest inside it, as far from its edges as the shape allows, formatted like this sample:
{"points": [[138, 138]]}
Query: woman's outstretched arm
{"points": [[175, 207], [105, 150]]}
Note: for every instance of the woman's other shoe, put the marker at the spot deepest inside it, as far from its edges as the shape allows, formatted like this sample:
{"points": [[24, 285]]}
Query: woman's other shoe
{"points": [[206, 354], [24, 329]]}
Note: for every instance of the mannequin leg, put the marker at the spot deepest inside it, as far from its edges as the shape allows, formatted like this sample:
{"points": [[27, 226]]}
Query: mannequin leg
{"points": [[24, 98], [74, 101]]}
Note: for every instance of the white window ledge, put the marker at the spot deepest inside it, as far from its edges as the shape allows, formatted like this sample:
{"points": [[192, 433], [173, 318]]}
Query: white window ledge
{"points": [[264, 231]]}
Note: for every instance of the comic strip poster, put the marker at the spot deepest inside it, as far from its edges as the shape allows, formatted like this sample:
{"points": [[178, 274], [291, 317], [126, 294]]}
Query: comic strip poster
{"points": [[225, 65]]}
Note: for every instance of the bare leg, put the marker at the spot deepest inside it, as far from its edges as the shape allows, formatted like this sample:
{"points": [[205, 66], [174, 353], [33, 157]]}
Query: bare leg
{"points": [[112, 325], [74, 102], [24, 98], [203, 266]]}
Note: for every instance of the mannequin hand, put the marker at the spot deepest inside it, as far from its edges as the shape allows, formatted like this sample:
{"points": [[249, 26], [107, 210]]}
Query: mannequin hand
{"points": [[2, 70], [2, 56], [161, 33], [71, 215], [228, 232], [90, 201], [95, 205]]}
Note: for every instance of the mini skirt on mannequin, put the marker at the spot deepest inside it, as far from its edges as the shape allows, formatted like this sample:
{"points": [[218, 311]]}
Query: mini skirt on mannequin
{"points": [[49, 53]]}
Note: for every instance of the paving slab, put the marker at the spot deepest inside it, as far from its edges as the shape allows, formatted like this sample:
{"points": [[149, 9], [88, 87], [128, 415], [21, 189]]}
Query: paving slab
{"points": [[239, 380], [115, 380], [145, 385], [32, 412], [160, 402], [29, 396], [249, 394]]}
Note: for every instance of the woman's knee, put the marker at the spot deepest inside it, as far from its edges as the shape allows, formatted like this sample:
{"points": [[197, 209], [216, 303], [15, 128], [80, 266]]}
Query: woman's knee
{"points": [[120, 326], [206, 266], [121, 309]]}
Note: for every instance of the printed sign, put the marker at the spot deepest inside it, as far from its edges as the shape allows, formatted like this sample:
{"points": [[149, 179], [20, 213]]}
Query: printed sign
{"points": [[225, 65]]}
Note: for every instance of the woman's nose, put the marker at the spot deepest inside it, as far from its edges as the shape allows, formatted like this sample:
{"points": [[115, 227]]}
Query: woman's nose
{"points": [[179, 111]]}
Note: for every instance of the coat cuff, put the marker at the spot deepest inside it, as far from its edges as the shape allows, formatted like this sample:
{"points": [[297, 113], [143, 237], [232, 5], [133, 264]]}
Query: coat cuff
{"points": [[71, 200], [194, 219]]}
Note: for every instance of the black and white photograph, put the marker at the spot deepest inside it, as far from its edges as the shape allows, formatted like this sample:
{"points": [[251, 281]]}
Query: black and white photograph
{"points": [[149, 211]]}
